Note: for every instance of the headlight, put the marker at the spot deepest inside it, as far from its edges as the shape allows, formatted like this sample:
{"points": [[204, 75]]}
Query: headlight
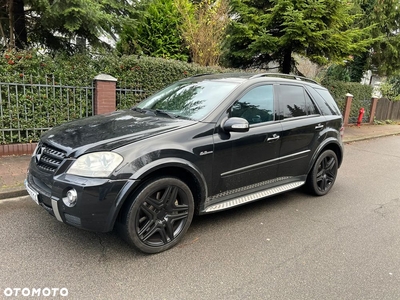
{"points": [[98, 164]]}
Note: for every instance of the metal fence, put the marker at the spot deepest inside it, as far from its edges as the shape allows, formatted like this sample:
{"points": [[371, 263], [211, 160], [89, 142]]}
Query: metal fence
{"points": [[355, 108], [127, 97], [28, 109]]}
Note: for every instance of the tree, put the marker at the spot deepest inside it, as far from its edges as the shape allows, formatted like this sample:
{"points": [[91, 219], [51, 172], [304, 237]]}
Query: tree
{"points": [[338, 73], [155, 32], [271, 31], [53, 24], [12, 17], [391, 88], [385, 56], [203, 28]]}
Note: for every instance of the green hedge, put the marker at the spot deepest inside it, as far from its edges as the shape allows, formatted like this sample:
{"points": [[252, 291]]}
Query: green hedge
{"points": [[28, 107], [362, 95], [149, 73]]}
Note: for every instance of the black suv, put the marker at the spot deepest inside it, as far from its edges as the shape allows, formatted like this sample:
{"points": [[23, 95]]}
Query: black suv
{"points": [[204, 144]]}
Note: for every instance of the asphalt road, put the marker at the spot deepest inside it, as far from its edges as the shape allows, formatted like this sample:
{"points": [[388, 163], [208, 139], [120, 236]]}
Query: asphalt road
{"points": [[345, 245]]}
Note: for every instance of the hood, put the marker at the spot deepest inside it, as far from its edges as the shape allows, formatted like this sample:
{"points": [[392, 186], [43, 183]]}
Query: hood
{"points": [[108, 131]]}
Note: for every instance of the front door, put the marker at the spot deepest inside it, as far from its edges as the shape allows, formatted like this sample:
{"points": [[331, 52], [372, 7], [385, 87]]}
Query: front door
{"points": [[248, 160]]}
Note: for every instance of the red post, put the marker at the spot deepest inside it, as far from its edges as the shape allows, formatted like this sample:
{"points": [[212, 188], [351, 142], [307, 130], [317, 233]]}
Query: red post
{"points": [[347, 108], [374, 103], [360, 116], [105, 94]]}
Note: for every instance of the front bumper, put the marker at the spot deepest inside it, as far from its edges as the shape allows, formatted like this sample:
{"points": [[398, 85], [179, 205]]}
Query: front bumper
{"points": [[99, 199]]}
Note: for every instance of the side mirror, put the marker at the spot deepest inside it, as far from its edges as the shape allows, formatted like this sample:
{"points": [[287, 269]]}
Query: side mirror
{"points": [[236, 125]]}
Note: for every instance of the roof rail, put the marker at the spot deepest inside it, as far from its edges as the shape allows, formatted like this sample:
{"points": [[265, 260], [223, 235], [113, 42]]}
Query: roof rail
{"points": [[289, 76], [196, 75], [203, 74]]}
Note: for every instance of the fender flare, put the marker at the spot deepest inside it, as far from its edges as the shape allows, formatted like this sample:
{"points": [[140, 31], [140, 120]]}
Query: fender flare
{"points": [[136, 179], [318, 151]]}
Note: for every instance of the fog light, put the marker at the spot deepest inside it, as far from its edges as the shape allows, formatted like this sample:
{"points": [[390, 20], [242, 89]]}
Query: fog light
{"points": [[70, 199]]}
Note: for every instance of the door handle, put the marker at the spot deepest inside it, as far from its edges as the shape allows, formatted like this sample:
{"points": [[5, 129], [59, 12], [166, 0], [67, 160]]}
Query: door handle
{"points": [[319, 126], [273, 138]]}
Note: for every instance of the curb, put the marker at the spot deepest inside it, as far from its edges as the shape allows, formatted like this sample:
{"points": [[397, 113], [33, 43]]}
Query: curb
{"points": [[364, 138], [13, 193]]}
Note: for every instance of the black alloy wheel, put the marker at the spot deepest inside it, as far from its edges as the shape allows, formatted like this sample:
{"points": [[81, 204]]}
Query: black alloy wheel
{"points": [[323, 174], [160, 215]]}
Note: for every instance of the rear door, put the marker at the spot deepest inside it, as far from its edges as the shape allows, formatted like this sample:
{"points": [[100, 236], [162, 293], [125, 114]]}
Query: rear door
{"points": [[302, 129]]}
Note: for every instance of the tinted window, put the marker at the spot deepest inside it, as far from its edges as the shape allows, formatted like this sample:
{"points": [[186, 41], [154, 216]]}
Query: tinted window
{"points": [[328, 105], [292, 101], [256, 106], [310, 105]]}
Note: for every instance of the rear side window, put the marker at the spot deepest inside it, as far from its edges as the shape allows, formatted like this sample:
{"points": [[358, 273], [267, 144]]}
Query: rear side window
{"points": [[326, 102], [295, 102]]}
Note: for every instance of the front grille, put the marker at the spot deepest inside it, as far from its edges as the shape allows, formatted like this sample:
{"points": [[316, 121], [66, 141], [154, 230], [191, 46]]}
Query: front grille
{"points": [[48, 158]]}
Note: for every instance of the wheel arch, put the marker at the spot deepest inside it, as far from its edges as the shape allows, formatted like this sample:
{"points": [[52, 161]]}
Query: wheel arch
{"points": [[330, 144], [178, 168]]}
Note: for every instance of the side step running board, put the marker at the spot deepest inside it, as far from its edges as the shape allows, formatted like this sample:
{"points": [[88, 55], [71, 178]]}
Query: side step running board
{"points": [[252, 197]]}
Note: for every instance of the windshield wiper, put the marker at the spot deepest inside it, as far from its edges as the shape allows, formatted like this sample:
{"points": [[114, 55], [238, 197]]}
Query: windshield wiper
{"points": [[144, 110], [138, 109], [156, 112], [165, 113]]}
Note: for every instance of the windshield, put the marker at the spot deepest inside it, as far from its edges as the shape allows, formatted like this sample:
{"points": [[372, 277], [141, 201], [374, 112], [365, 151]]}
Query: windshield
{"points": [[188, 99]]}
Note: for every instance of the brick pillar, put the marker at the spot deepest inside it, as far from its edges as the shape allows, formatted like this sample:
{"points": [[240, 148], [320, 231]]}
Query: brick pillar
{"points": [[347, 107], [105, 94], [374, 102]]}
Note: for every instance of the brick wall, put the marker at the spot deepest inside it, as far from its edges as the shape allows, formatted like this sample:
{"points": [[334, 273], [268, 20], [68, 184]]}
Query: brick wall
{"points": [[17, 149]]}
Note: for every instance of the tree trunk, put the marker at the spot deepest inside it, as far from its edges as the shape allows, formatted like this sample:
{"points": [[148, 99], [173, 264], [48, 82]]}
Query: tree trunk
{"points": [[3, 35], [287, 61], [11, 23], [21, 36]]}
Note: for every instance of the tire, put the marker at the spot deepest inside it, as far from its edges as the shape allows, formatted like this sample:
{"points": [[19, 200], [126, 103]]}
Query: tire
{"points": [[323, 174], [159, 216]]}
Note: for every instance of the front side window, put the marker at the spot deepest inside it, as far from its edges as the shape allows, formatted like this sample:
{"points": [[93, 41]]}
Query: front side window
{"points": [[256, 106]]}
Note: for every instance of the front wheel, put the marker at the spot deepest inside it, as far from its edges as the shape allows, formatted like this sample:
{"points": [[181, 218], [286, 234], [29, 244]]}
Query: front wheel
{"points": [[159, 216], [323, 174]]}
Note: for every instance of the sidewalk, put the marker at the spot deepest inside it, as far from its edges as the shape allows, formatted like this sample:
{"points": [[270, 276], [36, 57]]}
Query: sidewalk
{"points": [[13, 168]]}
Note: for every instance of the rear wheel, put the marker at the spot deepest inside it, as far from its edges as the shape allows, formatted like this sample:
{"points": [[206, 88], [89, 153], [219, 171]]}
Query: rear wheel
{"points": [[323, 174], [159, 216]]}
